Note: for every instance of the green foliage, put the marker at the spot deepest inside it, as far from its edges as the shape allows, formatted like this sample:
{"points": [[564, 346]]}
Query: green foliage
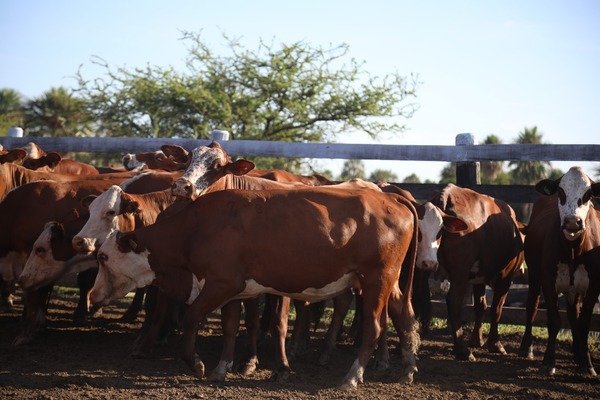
{"points": [[383, 175], [11, 110], [448, 174], [290, 93], [529, 172], [352, 169], [491, 171], [412, 178], [57, 112]]}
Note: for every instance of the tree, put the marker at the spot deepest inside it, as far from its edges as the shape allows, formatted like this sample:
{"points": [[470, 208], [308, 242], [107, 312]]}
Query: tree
{"points": [[291, 93], [11, 109], [383, 175], [491, 170], [529, 172], [412, 178], [352, 169], [448, 173], [57, 112]]}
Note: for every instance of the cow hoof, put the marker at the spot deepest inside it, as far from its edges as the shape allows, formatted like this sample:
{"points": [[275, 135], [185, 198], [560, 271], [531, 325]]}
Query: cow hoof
{"points": [[464, 355], [548, 370], [22, 340], [407, 379], [586, 371], [347, 386], [249, 367], [281, 375], [215, 377], [198, 369], [496, 348], [526, 352]]}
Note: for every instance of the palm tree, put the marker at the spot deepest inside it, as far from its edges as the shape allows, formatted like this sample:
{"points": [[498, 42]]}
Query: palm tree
{"points": [[56, 113], [491, 170], [529, 172]]}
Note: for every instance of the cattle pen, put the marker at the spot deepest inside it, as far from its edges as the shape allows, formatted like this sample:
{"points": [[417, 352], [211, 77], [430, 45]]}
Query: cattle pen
{"points": [[465, 153]]}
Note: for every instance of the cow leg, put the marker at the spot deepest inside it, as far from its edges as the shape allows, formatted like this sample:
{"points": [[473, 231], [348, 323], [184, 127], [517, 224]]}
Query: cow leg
{"points": [[553, 324], [341, 305], [479, 307], [85, 282], [158, 308], [299, 342], [252, 322], [230, 323], [421, 299], [403, 317], [582, 353], [454, 302], [280, 310], [7, 294], [34, 314], [493, 343], [135, 307], [381, 360], [210, 298], [531, 307]]}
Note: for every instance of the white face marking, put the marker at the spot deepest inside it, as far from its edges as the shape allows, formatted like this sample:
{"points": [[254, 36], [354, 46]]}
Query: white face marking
{"points": [[571, 207], [328, 291], [103, 220], [119, 272], [429, 227], [11, 265], [41, 267], [131, 163], [204, 159]]}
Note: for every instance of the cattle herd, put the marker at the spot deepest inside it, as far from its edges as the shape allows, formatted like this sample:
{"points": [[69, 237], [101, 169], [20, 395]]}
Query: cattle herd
{"points": [[192, 232]]}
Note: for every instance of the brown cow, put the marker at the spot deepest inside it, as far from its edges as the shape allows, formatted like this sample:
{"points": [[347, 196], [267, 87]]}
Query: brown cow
{"points": [[562, 251], [341, 239], [487, 253], [11, 156], [169, 158]]}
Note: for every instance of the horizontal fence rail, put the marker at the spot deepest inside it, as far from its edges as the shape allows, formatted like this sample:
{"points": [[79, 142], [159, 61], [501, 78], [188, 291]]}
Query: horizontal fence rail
{"points": [[460, 153]]}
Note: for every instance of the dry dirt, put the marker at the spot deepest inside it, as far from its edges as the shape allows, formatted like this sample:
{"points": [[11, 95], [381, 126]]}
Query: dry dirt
{"points": [[91, 362]]}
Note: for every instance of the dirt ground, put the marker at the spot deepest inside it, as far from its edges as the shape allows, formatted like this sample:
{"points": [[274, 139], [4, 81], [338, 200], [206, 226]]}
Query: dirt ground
{"points": [[92, 362]]}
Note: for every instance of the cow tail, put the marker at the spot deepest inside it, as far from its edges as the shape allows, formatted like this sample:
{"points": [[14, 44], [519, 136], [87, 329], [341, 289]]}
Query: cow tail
{"points": [[408, 327]]}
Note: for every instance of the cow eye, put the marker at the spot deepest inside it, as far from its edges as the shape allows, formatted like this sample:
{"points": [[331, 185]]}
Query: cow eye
{"points": [[586, 197], [102, 257], [110, 213], [40, 251]]}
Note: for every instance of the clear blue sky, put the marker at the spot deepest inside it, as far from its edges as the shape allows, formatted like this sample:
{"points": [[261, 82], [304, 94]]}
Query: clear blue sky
{"points": [[485, 66]]}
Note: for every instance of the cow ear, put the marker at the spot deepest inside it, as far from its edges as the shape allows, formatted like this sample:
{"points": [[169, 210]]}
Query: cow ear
{"points": [[240, 167], [52, 159], [178, 153], [547, 187], [595, 189], [130, 206], [56, 229], [126, 242], [454, 224], [15, 155], [87, 200]]}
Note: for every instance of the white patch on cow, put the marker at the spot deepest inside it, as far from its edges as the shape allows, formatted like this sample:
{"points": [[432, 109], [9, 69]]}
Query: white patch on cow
{"points": [[196, 289], [429, 227], [574, 184], [354, 376], [222, 368], [125, 184], [445, 286], [203, 159], [11, 265], [131, 163], [119, 272], [103, 219], [311, 295], [581, 280], [562, 278]]}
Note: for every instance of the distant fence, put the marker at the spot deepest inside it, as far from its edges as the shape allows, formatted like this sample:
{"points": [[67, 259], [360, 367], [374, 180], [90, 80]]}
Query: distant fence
{"points": [[465, 153]]}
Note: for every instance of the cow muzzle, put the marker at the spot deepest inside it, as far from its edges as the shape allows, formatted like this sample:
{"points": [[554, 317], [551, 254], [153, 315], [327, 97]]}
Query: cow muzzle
{"points": [[183, 188], [428, 265], [84, 245], [572, 227]]}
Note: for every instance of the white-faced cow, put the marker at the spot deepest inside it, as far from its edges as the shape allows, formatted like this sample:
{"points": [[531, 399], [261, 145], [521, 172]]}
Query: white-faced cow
{"points": [[234, 244], [562, 251], [486, 253]]}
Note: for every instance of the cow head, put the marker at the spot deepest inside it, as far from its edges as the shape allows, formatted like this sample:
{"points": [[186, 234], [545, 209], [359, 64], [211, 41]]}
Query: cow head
{"points": [[123, 267], [49, 160], [208, 165], [11, 156], [131, 163], [50, 259], [103, 221], [575, 191], [432, 222]]}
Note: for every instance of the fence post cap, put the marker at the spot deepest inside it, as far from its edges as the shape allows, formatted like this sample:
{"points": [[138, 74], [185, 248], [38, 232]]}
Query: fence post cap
{"points": [[465, 139]]}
